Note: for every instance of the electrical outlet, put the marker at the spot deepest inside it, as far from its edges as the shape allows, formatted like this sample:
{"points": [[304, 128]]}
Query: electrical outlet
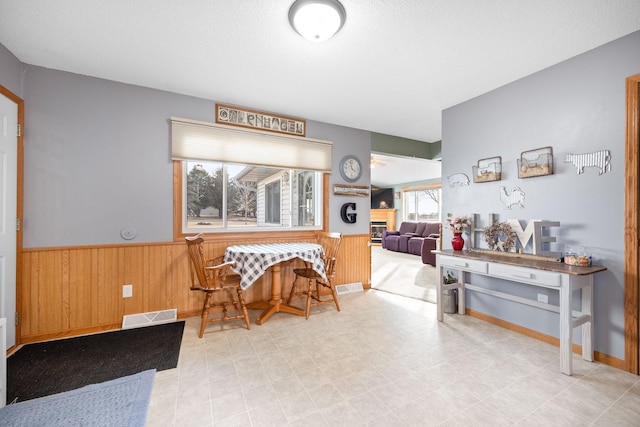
{"points": [[543, 298], [127, 291]]}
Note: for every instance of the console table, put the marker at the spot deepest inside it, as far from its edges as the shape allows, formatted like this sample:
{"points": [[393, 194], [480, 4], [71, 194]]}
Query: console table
{"points": [[532, 271]]}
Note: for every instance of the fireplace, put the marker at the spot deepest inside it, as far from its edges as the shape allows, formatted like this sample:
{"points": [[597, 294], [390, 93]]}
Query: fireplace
{"points": [[381, 219], [377, 227]]}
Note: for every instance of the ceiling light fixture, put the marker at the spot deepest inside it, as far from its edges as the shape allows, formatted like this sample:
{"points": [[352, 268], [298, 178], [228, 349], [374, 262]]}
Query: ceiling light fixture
{"points": [[317, 20]]}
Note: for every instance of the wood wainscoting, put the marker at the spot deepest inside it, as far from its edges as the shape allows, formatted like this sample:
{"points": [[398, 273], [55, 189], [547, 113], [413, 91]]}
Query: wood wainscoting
{"points": [[70, 291]]}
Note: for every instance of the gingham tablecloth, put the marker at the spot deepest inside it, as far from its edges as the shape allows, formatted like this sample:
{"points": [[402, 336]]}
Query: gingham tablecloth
{"points": [[253, 260]]}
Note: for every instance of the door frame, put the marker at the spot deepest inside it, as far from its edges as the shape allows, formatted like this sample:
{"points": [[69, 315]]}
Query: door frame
{"points": [[20, 171], [631, 238]]}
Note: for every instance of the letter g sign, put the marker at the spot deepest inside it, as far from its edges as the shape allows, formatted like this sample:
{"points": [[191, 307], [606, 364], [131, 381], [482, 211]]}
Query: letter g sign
{"points": [[348, 217]]}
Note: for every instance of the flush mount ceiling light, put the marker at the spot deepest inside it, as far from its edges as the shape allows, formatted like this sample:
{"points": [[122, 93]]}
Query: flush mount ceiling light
{"points": [[317, 20]]}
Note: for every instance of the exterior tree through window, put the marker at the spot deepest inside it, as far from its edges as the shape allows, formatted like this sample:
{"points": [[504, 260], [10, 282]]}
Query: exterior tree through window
{"points": [[221, 197]]}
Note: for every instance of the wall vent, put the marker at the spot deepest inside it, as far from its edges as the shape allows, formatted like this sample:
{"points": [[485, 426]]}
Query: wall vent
{"points": [[147, 319], [349, 288]]}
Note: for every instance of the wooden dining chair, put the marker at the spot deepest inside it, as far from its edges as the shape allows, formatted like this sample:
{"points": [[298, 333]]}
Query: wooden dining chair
{"points": [[330, 243], [213, 278]]}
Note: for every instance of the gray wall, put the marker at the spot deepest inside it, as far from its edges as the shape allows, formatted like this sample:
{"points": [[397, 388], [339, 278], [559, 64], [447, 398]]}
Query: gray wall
{"points": [[10, 71], [346, 141], [97, 159], [577, 106]]}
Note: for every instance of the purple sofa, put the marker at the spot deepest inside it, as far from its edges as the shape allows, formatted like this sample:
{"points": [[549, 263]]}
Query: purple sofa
{"points": [[417, 238]]}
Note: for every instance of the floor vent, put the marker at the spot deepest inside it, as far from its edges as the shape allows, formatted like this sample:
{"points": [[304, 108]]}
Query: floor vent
{"points": [[147, 319], [349, 288]]}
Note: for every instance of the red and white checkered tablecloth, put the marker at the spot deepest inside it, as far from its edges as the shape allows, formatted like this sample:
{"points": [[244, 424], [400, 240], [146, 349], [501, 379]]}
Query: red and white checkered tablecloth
{"points": [[253, 260]]}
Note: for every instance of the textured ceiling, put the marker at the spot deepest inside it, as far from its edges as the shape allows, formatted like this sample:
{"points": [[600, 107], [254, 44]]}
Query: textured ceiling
{"points": [[392, 69]]}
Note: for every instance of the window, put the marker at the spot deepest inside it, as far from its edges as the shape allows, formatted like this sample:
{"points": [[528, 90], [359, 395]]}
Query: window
{"points": [[228, 178], [422, 203], [220, 197]]}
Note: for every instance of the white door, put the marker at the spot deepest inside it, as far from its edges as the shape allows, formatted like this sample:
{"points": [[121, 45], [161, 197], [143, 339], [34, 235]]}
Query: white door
{"points": [[8, 213]]}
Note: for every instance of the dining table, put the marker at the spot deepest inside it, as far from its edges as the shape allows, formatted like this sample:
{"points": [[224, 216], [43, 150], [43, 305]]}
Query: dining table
{"points": [[253, 260]]}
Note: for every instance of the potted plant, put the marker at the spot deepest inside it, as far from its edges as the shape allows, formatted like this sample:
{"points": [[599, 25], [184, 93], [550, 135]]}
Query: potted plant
{"points": [[449, 296], [449, 278]]}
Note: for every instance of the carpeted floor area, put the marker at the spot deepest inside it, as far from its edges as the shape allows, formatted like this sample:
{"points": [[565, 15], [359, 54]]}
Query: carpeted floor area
{"points": [[402, 274], [50, 367]]}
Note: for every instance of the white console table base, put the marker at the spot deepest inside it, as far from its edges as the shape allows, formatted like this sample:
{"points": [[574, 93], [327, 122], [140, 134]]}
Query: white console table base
{"points": [[548, 274]]}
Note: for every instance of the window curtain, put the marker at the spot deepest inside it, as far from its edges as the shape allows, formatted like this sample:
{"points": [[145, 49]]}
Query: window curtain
{"points": [[195, 140]]}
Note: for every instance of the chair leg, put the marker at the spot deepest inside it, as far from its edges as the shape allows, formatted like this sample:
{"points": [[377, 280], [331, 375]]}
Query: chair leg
{"points": [[293, 291], [335, 295], [205, 313], [308, 305], [244, 308]]}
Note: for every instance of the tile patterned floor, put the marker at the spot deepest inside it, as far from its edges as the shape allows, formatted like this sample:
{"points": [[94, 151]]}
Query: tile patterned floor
{"points": [[383, 360]]}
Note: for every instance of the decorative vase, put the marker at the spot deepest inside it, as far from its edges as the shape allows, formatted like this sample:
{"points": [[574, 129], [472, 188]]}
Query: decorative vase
{"points": [[457, 242]]}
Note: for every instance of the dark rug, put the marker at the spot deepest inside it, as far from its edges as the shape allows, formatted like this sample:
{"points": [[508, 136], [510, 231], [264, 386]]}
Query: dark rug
{"points": [[42, 369]]}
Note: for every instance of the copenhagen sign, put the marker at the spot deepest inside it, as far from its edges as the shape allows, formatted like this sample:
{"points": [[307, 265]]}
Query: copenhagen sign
{"points": [[238, 116]]}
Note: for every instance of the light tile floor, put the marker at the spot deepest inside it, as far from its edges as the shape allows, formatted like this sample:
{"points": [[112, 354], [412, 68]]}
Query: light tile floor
{"points": [[383, 360]]}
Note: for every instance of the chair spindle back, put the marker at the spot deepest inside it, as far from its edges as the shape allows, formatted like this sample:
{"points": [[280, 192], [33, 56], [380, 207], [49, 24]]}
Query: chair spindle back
{"points": [[330, 243], [209, 275]]}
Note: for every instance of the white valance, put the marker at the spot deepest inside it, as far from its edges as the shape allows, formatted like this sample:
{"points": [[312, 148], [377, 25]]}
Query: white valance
{"points": [[195, 140]]}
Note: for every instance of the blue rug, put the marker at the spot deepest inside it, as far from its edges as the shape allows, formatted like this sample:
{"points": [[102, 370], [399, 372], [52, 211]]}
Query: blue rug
{"points": [[122, 402]]}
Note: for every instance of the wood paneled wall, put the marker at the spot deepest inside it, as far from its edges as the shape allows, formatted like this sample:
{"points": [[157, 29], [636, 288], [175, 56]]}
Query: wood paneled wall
{"points": [[74, 290]]}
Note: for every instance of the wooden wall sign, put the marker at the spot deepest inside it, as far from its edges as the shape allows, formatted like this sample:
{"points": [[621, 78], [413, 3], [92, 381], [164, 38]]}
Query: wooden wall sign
{"points": [[351, 190], [237, 116]]}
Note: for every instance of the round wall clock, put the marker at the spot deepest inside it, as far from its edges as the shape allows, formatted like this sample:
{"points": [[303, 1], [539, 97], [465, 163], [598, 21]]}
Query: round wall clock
{"points": [[350, 168]]}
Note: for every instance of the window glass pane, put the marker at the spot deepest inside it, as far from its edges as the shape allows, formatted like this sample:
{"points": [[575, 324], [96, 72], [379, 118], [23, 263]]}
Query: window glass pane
{"points": [[204, 197], [242, 196], [254, 197], [306, 198], [428, 202], [422, 205], [410, 207], [272, 203]]}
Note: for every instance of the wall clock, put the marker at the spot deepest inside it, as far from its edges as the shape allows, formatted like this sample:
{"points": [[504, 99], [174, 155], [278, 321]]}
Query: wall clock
{"points": [[350, 168]]}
